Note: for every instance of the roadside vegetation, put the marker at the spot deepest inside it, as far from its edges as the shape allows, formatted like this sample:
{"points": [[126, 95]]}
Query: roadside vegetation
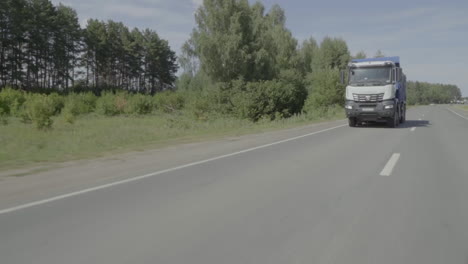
{"points": [[44, 128], [463, 107], [69, 92], [421, 93]]}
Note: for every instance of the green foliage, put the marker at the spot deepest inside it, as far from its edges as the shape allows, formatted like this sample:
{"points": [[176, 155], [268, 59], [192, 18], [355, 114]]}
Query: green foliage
{"points": [[308, 55], [170, 101], [140, 104], [325, 89], [39, 109], [111, 104], [198, 82], [269, 99], [57, 102], [426, 93], [3, 117], [325, 113], [208, 103], [236, 40], [332, 54], [360, 55], [80, 103], [68, 115], [11, 101], [77, 104]]}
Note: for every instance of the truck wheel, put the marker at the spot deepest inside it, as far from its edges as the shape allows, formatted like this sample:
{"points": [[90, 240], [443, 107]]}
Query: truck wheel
{"points": [[394, 121], [403, 115], [352, 122]]}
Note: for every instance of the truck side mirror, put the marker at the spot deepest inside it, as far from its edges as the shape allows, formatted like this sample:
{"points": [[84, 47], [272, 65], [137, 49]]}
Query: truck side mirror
{"points": [[342, 77], [394, 75]]}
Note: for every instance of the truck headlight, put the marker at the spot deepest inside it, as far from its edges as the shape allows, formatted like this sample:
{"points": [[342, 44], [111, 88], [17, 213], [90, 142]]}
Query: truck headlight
{"points": [[389, 107], [350, 107]]}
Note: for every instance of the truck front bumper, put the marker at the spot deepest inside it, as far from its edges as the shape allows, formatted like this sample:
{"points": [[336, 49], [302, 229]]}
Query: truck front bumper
{"points": [[370, 111]]}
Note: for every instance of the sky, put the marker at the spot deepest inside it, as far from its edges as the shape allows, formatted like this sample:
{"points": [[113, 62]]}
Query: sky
{"points": [[431, 37]]}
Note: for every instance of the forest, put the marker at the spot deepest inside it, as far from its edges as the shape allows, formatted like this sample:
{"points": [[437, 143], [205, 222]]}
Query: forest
{"points": [[43, 49]]}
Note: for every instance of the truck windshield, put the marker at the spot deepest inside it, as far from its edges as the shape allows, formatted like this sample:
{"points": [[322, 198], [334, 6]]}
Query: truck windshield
{"points": [[370, 76]]}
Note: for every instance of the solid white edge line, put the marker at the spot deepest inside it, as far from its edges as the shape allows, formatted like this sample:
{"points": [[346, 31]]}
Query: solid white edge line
{"points": [[464, 117], [387, 170], [100, 187], [413, 129]]}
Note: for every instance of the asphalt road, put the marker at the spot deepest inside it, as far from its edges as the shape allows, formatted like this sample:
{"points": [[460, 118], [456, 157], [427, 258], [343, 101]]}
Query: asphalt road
{"points": [[320, 198]]}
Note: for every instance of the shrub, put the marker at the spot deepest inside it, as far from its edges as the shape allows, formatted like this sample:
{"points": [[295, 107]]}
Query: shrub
{"points": [[111, 104], [199, 82], [11, 101], [82, 103], [209, 102], [68, 116], [3, 117], [57, 102], [39, 109], [170, 101], [268, 99], [325, 90], [140, 104]]}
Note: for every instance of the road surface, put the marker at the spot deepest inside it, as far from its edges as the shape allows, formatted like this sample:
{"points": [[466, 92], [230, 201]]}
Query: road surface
{"points": [[335, 195]]}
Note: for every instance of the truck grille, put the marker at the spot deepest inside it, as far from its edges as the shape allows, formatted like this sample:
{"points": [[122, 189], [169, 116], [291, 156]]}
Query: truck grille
{"points": [[368, 97]]}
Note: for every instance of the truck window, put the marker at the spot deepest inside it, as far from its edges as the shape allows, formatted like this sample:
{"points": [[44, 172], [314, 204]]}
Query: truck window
{"points": [[369, 75]]}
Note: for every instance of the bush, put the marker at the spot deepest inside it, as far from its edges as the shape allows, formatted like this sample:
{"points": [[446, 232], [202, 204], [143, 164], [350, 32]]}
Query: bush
{"points": [[199, 82], [68, 115], [170, 101], [3, 117], [140, 104], [82, 103], [57, 102], [11, 101], [209, 102], [268, 99], [39, 109], [325, 90], [110, 104]]}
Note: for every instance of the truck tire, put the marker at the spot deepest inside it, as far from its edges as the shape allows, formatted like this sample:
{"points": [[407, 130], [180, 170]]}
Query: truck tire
{"points": [[403, 115], [352, 122], [394, 121]]}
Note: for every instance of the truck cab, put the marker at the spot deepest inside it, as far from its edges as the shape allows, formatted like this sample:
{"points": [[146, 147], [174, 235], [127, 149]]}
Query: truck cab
{"points": [[375, 91]]}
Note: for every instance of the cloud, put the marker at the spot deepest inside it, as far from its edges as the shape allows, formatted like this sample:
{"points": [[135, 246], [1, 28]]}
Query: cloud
{"points": [[164, 16], [173, 20], [197, 3]]}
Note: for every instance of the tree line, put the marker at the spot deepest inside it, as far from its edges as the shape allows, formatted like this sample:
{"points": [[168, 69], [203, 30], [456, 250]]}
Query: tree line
{"points": [[43, 47], [427, 93]]}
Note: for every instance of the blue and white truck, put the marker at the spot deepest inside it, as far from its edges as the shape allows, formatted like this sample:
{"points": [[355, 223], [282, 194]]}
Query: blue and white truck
{"points": [[375, 91]]}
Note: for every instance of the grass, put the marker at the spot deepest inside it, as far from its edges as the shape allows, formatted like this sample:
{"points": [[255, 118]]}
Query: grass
{"points": [[94, 135], [463, 107]]}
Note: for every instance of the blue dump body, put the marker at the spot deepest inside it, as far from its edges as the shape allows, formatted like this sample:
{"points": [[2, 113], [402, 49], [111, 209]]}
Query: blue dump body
{"points": [[395, 59]]}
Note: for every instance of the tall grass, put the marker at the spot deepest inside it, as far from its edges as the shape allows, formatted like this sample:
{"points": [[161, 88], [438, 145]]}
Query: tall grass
{"points": [[94, 135], [52, 128]]}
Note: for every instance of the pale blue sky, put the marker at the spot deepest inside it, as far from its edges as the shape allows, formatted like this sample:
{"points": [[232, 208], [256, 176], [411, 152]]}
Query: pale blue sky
{"points": [[431, 37]]}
